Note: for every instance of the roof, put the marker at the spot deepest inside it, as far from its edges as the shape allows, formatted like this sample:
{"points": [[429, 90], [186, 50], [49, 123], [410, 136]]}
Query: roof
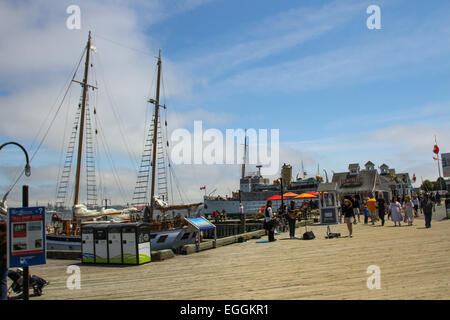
{"points": [[363, 181], [353, 165], [387, 181], [327, 187], [384, 165], [369, 163], [403, 177]]}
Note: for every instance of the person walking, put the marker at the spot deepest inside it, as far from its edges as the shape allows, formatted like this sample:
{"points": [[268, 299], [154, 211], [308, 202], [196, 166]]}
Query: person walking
{"points": [[395, 208], [3, 266], [356, 208], [408, 208], [349, 216], [269, 222], [427, 206], [241, 215], [371, 205], [292, 218], [416, 204], [366, 214], [381, 205]]}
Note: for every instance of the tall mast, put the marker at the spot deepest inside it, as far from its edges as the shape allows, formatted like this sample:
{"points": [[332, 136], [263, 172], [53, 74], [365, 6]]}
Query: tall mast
{"points": [[245, 154], [303, 171], [155, 135], [83, 109]]}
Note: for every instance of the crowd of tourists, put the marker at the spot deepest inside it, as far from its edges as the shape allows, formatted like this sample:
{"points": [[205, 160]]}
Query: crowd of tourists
{"points": [[398, 210], [373, 210]]}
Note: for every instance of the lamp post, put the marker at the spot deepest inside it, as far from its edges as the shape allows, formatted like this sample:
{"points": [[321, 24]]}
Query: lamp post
{"points": [[27, 166], [24, 204]]}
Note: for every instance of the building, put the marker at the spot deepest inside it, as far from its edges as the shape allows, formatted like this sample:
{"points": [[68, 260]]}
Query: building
{"points": [[399, 183], [361, 183], [368, 181]]}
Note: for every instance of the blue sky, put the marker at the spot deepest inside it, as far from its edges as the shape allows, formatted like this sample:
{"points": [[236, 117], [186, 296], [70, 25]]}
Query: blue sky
{"points": [[339, 92]]}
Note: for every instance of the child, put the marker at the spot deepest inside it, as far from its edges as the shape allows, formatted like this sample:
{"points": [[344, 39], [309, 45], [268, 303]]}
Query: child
{"points": [[366, 214]]}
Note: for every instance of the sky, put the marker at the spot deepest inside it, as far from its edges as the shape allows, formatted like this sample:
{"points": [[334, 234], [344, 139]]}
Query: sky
{"points": [[337, 91]]}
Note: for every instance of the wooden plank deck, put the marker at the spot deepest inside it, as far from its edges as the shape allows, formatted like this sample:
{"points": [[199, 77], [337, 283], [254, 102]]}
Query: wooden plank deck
{"points": [[414, 263]]}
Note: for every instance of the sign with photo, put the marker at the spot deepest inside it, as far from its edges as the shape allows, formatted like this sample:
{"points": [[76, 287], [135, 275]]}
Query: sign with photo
{"points": [[445, 164], [26, 236]]}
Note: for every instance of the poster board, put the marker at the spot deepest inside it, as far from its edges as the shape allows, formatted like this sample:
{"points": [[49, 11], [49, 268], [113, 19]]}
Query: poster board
{"points": [[26, 237], [445, 164], [201, 224]]}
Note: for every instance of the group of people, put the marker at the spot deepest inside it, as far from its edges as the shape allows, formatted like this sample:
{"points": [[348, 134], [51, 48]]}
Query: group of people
{"points": [[287, 216], [373, 209], [219, 216], [398, 210]]}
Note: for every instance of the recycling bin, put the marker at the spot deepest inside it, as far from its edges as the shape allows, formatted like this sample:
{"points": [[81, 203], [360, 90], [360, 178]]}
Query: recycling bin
{"points": [[144, 250], [136, 243], [115, 244], [101, 243], [87, 244]]}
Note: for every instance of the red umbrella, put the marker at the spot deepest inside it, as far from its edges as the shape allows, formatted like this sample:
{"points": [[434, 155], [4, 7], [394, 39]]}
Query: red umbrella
{"points": [[275, 197], [314, 193]]}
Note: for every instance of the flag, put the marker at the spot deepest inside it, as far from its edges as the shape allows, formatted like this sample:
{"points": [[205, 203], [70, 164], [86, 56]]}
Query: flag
{"points": [[203, 188], [435, 149], [414, 177]]}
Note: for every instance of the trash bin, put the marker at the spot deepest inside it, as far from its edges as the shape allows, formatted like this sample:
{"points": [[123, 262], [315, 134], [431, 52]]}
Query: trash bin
{"points": [[144, 250], [87, 244], [136, 243], [124, 243], [115, 244], [101, 243]]}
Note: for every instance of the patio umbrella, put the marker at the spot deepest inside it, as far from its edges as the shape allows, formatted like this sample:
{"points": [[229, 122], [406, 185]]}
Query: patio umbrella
{"points": [[305, 196], [290, 194], [314, 193], [275, 197]]}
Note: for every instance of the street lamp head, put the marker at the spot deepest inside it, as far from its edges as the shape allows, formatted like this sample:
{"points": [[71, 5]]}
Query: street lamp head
{"points": [[27, 170]]}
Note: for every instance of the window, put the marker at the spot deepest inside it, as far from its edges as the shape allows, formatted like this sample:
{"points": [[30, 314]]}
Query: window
{"points": [[163, 238], [185, 236]]}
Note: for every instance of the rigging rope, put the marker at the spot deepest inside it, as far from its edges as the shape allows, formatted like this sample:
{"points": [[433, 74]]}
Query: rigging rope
{"points": [[132, 157], [51, 123]]}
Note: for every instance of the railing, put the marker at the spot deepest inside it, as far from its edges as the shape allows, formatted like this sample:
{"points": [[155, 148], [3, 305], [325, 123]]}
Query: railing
{"points": [[231, 229]]}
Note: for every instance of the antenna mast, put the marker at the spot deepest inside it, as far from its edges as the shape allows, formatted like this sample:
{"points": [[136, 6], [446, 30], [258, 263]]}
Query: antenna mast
{"points": [[245, 154]]}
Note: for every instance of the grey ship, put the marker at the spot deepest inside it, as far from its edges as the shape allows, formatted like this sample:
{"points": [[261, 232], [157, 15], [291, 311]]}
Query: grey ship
{"points": [[255, 189]]}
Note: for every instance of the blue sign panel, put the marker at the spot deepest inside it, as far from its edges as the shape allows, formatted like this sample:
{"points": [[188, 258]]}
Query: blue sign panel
{"points": [[26, 236], [201, 223]]}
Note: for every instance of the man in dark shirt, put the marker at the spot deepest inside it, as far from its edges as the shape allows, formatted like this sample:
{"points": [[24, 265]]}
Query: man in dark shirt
{"points": [[3, 267], [427, 206], [381, 204]]}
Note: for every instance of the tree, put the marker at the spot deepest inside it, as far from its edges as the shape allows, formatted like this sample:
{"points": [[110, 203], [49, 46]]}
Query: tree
{"points": [[440, 184], [427, 185]]}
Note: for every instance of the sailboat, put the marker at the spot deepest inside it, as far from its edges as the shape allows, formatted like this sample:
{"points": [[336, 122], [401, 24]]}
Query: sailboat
{"points": [[166, 234]]}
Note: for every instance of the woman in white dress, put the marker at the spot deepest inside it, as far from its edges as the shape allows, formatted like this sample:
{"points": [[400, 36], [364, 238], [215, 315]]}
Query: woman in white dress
{"points": [[408, 207], [395, 209]]}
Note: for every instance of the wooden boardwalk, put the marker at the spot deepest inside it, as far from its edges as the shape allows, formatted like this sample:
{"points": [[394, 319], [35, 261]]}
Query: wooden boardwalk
{"points": [[414, 264]]}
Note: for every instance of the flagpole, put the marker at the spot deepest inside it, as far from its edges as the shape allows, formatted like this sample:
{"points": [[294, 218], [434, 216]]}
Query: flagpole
{"points": [[439, 168]]}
